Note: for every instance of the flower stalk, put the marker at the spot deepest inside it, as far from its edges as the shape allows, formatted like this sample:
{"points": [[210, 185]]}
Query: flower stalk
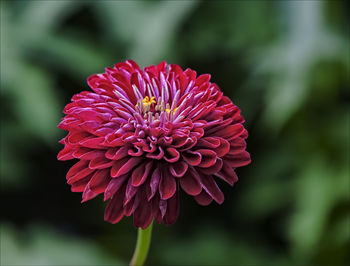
{"points": [[142, 246]]}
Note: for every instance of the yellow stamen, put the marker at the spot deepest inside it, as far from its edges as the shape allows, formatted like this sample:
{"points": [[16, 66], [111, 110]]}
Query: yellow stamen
{"points": [[147, 101], [168, 110]]}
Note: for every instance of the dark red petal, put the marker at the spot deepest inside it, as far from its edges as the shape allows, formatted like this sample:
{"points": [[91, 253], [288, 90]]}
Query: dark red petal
{"points": [[172, 211], [65, 154], [124, 166], [237, 145], [143, 214], [227, 173], [114, 211], [190, 183], [157, 155], [192, 158], [93, 143], [100, 163], [100, 181], [171, 155], [212, 169], [117, 153], [223, 148], [212, 188], [129, 192], [154, 182], [79, 186], [208, 157], [140, 174], [178, 169], [203, 198], [238, 160], [209, 142], [114, 185], [88, 194], [167, 185], [230, 132], [81, 165]]}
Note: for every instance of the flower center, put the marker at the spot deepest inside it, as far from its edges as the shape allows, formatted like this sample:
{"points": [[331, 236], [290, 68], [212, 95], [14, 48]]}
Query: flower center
{"points": [[150, 108]]}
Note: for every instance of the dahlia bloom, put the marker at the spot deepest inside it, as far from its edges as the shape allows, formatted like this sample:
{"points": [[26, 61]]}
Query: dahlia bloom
{"points": [[142, 135]]}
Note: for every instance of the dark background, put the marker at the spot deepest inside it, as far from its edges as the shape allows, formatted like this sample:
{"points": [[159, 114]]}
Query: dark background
{"points": [[284, 63]]}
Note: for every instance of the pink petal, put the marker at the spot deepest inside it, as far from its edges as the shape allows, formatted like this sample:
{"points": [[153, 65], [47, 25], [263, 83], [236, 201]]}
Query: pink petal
{"points": [[117, 153], [178, 169], [208, 157], [114, 185], [114, 211], [190, 183], [171, 155], [154, 182], [172, 211], [88, 194], [100, 163], [140, 174], [203, 198], [223, 148], [212, 188], [167, 185], [192, 158], [212, 169], [100, 181], [124, 166], [238, 160]]}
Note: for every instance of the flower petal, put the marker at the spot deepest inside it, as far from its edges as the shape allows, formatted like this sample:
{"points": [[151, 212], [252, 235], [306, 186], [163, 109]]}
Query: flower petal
{"points": [[167, 185], [190, 183]]}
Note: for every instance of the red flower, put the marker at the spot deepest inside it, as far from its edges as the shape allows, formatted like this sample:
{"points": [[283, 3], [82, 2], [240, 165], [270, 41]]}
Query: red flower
{"points": [[143, 134]]}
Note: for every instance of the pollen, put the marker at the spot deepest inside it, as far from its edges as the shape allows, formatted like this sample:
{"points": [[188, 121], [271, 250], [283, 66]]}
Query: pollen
{"points": [[148, 101], [168, 110]]}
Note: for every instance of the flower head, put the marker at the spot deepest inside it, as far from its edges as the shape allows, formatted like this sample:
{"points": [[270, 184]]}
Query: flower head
{"points": [[141, 135]]}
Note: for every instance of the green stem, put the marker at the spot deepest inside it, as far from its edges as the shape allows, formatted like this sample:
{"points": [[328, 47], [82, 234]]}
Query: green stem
{"points": [[142, 246]]}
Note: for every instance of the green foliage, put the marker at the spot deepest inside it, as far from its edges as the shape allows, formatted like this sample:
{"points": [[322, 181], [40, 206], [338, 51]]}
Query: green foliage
{"points": [[285, 64]]}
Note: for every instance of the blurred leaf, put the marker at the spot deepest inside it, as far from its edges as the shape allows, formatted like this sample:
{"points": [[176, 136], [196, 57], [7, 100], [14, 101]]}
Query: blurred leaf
{"points": [[320, 187], [148, 27], [36, 103], [43, 246], [44, 16], [290, 60]]}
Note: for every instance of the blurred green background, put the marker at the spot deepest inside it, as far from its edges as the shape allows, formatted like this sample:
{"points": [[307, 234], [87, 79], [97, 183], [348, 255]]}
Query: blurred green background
{"points": [[284, 63]]}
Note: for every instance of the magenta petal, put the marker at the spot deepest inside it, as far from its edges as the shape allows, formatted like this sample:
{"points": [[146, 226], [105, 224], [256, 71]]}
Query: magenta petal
{"points": [[143, 215], [88, 194], [65, 154], [100, 163], [230, 132], [167, 185], [129, 192], [212, 169], [172, 211], [114, 185], [178, 169], [117, 153], [155, 179], [238, 160], [208, 157], [212, 188], [203, 198], [209, 143], [124, 166], [100, 181], [114, 211], [79, 166], [171, 155], [140, 174], [190, 183], [223, 148], [192, 158]]}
